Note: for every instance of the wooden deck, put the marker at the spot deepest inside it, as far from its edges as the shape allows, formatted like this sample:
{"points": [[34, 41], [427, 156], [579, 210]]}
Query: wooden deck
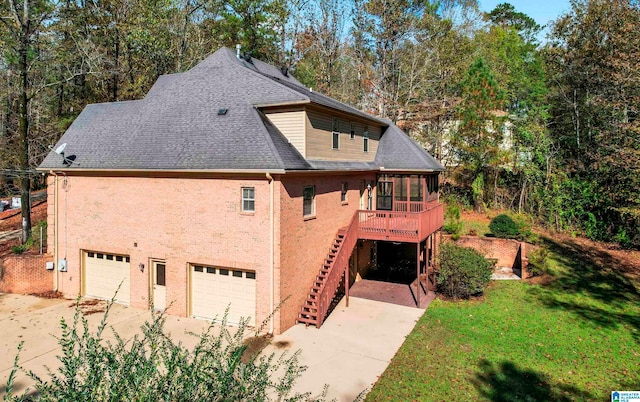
{"points": [[388, 292], [412, 227]]}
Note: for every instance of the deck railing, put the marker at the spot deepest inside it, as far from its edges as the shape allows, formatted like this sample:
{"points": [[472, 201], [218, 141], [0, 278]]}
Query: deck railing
{"points": [[338, 269], [400, 226], [374, 225]]}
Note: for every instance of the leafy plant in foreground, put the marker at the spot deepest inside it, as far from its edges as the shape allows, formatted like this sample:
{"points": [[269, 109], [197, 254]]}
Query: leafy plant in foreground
{"points": [[151, 367]]}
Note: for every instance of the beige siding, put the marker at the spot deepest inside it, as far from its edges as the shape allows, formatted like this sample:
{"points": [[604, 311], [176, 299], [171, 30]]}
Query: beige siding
{"points": [[320, 141], [291, 124]]}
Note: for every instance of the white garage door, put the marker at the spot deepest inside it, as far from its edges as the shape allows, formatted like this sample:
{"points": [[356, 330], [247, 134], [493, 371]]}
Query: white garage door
{"points": [[103, 273], [214, 288]]}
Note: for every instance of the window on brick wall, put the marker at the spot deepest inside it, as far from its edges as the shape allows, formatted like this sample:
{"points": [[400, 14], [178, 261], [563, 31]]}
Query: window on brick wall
{"points": [[248, 199], [343, 192], [309, 201], [352, 131]]}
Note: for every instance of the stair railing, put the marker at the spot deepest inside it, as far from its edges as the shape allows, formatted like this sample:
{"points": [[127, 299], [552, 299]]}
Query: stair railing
{"points": [[339, 269]]}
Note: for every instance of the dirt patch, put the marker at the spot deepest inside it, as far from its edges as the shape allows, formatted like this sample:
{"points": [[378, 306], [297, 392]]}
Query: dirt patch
{"points": [[254, 346], [91, 306], [542, 280], [282, 344], [13, 222], [49, 295], [610, 255]]}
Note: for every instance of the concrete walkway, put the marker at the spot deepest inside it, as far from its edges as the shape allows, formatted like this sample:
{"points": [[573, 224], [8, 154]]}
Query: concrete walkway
{"points": [[349, 352], [352, 349]]}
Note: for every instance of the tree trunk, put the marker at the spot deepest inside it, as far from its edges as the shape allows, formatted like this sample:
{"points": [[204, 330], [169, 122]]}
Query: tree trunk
{"points": [[23, 129]]}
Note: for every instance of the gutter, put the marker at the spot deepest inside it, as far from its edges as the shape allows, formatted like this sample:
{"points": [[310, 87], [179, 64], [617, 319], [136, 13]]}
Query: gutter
{"points": [[55, 230], [271, 252], [124, 170]]}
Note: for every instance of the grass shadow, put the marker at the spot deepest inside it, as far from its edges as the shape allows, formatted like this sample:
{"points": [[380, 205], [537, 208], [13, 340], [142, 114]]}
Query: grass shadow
{"points": [[594, 285], [507, 382]]}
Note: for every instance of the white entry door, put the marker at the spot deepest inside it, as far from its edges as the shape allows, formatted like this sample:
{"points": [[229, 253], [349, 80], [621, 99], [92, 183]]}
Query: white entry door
{"points": [[159, 273]]}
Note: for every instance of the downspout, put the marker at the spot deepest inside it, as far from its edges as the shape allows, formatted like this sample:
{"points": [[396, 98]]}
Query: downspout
{"points": [[271, 251], [55, 230]]}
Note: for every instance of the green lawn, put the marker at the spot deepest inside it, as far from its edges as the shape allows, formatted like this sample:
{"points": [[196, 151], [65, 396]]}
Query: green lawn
{"points": [[575, 338]]}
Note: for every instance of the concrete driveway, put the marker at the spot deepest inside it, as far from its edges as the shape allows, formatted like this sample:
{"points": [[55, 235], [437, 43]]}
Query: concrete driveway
{"points": [[36, 322], [352, 348], [349, 352]]}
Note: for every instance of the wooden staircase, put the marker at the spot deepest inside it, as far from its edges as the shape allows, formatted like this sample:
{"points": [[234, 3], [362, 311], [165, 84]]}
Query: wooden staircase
{"points": [[310, 308], [331, 275]]}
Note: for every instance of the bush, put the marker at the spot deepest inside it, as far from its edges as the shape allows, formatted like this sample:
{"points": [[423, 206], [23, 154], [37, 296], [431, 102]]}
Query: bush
{"points": [[452, 222], [514, 226], [463, 272], [538, 264], [504, 227], [20, 248], [151, 367]]}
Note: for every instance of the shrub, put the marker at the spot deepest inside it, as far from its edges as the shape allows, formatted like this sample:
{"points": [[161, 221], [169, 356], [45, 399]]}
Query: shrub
{"points": [[463, 272], [151, 367], [504, 227], [452, 222], [20, 248], [538, 263]]}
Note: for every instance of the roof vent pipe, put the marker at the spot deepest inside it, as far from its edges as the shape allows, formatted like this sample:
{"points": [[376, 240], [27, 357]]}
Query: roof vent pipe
{"points": [[238, 47]]}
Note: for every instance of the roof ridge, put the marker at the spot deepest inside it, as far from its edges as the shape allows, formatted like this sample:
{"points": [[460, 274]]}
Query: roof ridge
{"points": [[233, 61]]}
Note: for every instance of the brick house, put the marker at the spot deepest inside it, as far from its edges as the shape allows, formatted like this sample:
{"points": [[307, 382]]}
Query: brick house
{"points": [[233, 184]]}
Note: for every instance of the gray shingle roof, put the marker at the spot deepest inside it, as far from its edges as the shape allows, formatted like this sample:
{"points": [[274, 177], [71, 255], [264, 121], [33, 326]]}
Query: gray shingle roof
{"points": [[398, 151], [176, 126]]}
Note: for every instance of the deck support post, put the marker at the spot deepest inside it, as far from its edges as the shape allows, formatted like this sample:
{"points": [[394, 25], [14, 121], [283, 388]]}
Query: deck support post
{"points": [[418, 269], [346, 283]]}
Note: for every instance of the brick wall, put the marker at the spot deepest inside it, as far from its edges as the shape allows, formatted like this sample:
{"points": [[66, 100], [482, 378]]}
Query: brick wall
{"points": [[508, 252], [25, 274], [306, 242], [180, 220]]}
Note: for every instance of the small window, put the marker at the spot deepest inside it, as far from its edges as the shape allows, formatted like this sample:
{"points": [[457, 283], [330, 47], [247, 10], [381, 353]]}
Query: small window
{"points": [[119, 258], [343, 192], [91, 255], [336, 141], [101, 256], [198, 268], [248, 199], [211, 270], [251, 275], [365, 136], [237, 274], [309, 201], [161, 277], [352, 131], [336, 125], [224, 272], [126, 259], [110, 257]]}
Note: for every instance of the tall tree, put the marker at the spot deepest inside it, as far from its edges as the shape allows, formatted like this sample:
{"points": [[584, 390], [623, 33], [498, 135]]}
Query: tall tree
{"points": [[595, 107], [24, 20], [478, 137]]}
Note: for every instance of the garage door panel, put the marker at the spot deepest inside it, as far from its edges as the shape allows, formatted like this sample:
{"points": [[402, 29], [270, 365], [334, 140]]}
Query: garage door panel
{"points": [[213, 291], [104, 273]]}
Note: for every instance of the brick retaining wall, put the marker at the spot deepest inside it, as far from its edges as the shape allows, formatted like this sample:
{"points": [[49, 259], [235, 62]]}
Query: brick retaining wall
{"points": [[508, 252], [25, 274]]}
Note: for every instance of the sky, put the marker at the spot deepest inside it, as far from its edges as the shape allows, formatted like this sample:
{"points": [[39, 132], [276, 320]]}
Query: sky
{"points": [[543, 11]]}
